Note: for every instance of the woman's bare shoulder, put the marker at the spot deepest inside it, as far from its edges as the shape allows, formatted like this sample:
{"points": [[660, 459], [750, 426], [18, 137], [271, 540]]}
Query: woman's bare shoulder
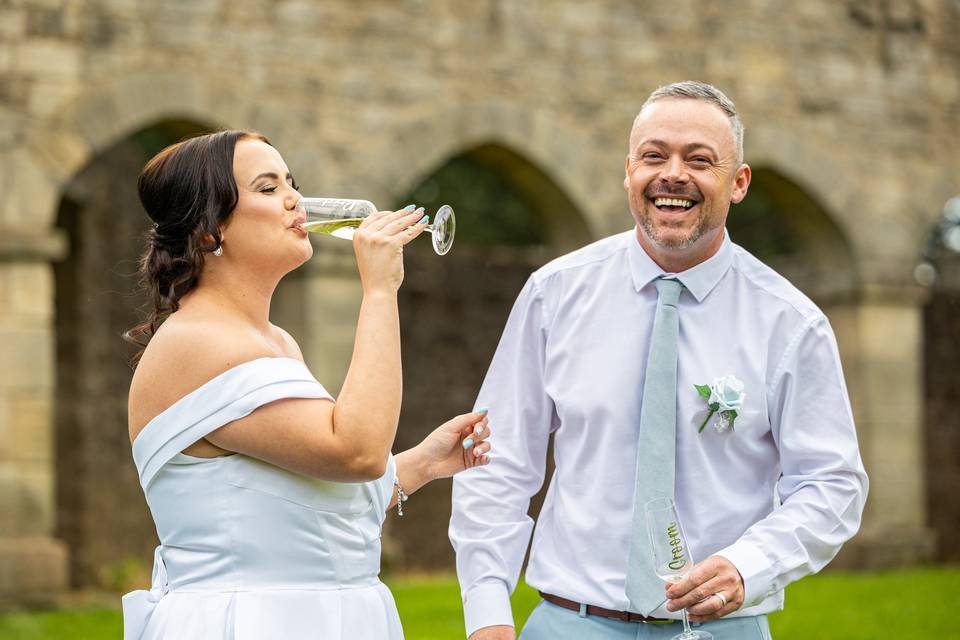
{"points": [[184, 354]]}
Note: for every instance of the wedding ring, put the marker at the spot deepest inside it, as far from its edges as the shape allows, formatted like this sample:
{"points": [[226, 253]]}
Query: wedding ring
{"points": [[723, 599]]}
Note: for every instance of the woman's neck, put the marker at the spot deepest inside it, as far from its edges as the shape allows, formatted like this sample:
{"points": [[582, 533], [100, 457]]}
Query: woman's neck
{"points": [[240, 295]]}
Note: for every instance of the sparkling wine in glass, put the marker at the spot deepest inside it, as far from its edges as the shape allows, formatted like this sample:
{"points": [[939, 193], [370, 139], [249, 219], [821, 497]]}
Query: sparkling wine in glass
{"points": [[671, 554], [339, 217]]}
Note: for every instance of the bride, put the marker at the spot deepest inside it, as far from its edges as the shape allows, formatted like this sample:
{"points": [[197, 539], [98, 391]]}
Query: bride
{"points": [[268, 495]]}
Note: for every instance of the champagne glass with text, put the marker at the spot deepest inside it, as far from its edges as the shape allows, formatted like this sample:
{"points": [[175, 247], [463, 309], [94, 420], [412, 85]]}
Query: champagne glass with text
{"points": [[339, 217], [671, 554]]}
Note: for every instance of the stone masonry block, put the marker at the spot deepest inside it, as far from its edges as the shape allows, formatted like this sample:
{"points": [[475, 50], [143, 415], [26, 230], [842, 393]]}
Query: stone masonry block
{"points": [[30, 436], [33, 571], [33, 197], [50, 59], [891, 333], [26, 359], [32, 291], [13, 22], [56, 155], [48, 97], [26, 499], [7, 427]]}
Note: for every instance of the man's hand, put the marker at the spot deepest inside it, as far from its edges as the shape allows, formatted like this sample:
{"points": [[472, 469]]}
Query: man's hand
{"points": [[496, 632], [696, 591]]}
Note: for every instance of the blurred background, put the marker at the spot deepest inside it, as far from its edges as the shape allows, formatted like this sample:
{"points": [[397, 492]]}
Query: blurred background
{"points": [[517, 114]]}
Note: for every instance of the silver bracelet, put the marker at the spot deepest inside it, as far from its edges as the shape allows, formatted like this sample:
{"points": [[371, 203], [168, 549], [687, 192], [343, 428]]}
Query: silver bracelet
{"points": [[401, 496]]}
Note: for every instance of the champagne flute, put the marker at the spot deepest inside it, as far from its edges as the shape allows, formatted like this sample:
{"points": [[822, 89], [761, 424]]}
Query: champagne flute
{"points": [[339, 217], [671, 554]]}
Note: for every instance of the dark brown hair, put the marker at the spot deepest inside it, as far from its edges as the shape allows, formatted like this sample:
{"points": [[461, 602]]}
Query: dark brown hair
{"points": [[188, 190]]}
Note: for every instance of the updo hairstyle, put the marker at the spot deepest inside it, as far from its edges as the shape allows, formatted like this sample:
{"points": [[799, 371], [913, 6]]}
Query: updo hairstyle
{"points": [[188, 190]]}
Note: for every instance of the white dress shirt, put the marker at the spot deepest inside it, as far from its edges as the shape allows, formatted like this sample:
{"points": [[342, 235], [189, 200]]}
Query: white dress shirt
{"points": [[777, 496]]}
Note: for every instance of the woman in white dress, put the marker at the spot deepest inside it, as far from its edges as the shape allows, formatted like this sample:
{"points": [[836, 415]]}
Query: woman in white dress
{"points": [[268, 495]]}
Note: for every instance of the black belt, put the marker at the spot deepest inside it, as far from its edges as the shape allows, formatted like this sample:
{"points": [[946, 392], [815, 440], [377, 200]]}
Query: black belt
{"points": [[592, 610]]}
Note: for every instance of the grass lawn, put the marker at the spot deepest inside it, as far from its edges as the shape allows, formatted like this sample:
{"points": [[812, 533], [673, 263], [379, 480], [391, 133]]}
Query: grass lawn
{"points": [[834, 606]]}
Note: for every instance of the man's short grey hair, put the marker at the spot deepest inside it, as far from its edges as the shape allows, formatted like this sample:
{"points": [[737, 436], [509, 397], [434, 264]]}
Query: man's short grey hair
{"points": [[696, 90]]}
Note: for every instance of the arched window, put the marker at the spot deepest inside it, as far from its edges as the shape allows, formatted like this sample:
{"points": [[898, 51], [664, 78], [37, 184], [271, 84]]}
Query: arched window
{"points": [[100, 510]]}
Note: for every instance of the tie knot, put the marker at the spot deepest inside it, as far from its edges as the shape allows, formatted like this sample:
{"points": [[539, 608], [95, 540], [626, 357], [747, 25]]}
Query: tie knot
{"points": [[669, 290]]}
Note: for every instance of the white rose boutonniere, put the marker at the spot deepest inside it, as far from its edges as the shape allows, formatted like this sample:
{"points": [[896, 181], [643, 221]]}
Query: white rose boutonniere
{"points": [[725, 396]]}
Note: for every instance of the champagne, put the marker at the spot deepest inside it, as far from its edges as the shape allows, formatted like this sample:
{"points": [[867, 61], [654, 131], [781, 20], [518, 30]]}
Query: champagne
{"points": [[343, 228], [340, 217]]}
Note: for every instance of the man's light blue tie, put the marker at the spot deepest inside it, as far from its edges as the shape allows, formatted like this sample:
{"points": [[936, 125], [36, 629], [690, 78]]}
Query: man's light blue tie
{"points": [[656, 447]]}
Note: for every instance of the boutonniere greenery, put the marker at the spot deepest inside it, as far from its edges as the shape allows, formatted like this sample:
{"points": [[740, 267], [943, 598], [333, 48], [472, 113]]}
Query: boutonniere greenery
{"points": [[724, 399]]}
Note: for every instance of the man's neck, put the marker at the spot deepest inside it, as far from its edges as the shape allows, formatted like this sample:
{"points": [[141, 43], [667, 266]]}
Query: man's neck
{"points": [[679, 260]]}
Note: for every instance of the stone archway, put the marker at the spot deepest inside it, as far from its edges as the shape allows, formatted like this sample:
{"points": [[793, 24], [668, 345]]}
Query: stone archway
{"points": [[512, 219], [101, 515], [555, 151], [787, 228], [811, 236]]}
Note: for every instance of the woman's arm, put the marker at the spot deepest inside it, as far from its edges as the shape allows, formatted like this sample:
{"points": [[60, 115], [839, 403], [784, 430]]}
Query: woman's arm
{"points": [[349, 440]]}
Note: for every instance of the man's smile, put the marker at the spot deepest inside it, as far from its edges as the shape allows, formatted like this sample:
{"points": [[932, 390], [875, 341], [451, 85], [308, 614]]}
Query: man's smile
{"points": [[673, 204]]}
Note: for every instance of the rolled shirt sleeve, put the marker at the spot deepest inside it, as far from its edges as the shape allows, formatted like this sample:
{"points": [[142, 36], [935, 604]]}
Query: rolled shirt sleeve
{"points": [[489, 527], [823, 486]]}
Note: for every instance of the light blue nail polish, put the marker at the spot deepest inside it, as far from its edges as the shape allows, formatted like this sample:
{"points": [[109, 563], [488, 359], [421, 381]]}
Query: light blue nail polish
{"points": [[424, 219], [468, 443], [419, 209], [480, 410], [410, 207]]}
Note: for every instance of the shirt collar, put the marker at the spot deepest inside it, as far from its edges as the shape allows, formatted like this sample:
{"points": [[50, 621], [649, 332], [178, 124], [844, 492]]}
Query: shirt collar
{"points": [[698, 280]]}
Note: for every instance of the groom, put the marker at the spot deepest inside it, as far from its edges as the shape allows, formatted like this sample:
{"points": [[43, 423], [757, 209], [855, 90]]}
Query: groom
{"points": [[668, 363]]}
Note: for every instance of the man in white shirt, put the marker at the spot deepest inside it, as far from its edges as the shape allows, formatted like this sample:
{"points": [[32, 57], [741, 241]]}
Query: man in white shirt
{"points": [[767, 476]]}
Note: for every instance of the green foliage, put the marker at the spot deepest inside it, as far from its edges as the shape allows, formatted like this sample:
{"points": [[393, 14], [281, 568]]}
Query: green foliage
{"points": [[489, 211], [907, 604], [125, 574], [760, 224], [79, 624]]}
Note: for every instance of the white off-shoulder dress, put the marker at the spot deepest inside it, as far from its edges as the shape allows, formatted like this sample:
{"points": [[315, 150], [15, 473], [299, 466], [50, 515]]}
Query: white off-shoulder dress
{"points": [[249, 551]]}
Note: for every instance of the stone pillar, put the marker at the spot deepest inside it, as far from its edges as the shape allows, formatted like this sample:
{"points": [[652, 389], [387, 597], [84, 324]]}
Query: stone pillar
{"points": [[33, 566], [884, 369]]}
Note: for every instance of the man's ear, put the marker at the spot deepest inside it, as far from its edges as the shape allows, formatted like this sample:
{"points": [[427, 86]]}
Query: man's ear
{"points": [[626, 175], [741, 183]]}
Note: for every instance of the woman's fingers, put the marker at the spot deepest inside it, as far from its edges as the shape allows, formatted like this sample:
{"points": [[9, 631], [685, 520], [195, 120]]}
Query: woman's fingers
{"points": [[481, 449], [405, 222], [474, 439], [478, 454], [475, 430], [378, 220], [416, 229]]}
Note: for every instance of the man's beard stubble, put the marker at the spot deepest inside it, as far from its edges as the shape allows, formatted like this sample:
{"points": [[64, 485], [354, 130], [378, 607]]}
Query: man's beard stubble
{"points": [[699, 229]]}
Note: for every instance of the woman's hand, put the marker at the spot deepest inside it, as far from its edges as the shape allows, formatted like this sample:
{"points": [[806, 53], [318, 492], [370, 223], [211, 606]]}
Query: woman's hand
{"points": [[455, 445], [378, 243], [458, 444]]}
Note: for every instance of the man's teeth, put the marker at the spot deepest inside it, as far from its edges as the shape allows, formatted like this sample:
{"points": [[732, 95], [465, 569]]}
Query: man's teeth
{"points": [[673, 202]]}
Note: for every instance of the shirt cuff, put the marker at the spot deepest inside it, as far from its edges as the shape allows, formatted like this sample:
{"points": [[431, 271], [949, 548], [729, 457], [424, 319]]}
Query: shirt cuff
{"points": [[486, 605], [755, 569]]}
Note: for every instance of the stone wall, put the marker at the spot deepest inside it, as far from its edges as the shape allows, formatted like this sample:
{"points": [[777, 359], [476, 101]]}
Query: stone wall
{"points": [[855, 103]]}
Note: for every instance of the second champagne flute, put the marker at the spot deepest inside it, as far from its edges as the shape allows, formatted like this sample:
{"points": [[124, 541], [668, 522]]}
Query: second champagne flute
{"points": [[671, 555], [339, 217]]}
